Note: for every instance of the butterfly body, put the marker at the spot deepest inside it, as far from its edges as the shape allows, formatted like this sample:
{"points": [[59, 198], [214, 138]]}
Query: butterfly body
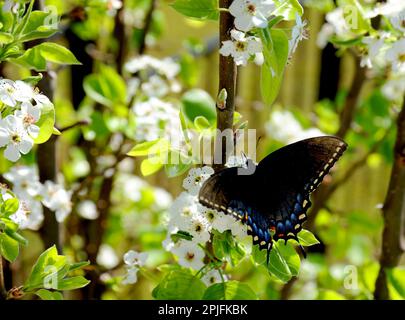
{"points": [[274, 200]]}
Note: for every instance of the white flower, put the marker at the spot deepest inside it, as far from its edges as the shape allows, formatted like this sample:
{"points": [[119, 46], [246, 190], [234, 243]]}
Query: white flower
{"points": [[236, 161], [166, 67], [15, 137], [155, 87], [87, 209], [212, 277], [181, 211], [133, 258], [7, 92], [29, 114], [29, 214], [195, 179], [209, 214], [396, 56], [324, 35], [131, 277], [25, 180], [398, 20], [199, 228], [189, 254], [374, 46], [298, 34], [242, 48], [107, 257], [251, 13], [394, 89], [25, 93], [163, 199], [57, 199], [285, 128], [223, 222]]}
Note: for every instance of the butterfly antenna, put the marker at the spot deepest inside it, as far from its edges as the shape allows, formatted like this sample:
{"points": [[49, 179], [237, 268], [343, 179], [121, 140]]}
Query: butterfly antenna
{"points": [[269, 246]]}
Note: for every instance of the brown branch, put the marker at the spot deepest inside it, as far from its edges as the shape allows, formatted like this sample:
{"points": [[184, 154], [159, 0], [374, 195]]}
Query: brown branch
{"points": [[393, 213], [146, 27], [227, 81]]}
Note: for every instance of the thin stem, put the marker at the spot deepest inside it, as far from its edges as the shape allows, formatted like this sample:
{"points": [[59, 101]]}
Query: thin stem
{"points": [[3, 291], [146, 27]]}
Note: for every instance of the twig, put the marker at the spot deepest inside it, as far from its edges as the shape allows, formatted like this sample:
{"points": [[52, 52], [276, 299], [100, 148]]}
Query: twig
{"points": [[227, 82], [393, 213], [3, 291], [74, 125]]}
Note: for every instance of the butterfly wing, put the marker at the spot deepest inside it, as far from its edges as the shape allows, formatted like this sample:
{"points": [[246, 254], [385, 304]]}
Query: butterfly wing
{"points": [[287, 177], [274, 200]]}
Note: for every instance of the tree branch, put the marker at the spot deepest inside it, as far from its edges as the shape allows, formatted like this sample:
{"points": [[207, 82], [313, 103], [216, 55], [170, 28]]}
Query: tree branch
{"points": [[393, 213], [3, 291], [227, 81], [146, 27]]}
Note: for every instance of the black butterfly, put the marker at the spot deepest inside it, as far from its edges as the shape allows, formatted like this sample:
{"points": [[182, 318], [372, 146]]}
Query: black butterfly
{"points": [[273, 201]]}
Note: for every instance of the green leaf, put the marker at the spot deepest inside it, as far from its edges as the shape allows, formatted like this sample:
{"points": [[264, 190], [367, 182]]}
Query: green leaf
{"points": [[225, 246], [284, 261], [48, 263], [201, 123], [49, 295], [307, 238], [72, 283], [6, 38], [10, 206], [37, 57], [231, 290], [46, 123], [288, 9], [179, 235], [199, 9], [179, 284], [177, 164], [9, 248], [276, 55], [78, 265], [36, 27], [33, 80], [197, 102], [106, 87], [151, 165], [396, 278], [158, 146], [17, 237]]}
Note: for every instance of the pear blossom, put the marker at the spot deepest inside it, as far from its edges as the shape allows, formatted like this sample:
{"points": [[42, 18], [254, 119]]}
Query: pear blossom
{"points": [[107, 257], [25, 181], [7, 92], [189, 254], [298, 34], [29, 114], [396, 56], [155, 87], [242, 48], [195, 179], [212, 277], [57, 199], [133, 258], [251, 13], [374, 46], [131, 277], [15, 137], [87, 209]]}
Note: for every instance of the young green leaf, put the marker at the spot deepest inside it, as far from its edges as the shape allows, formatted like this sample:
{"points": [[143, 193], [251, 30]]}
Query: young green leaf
{"points": [[49, 295], [179, 284], [46, 123], [9, 248], [151, 165], [276, 54], [198, 9], [72, 283], [149, 148], [307, 238], [230, 290], [197, 102]]}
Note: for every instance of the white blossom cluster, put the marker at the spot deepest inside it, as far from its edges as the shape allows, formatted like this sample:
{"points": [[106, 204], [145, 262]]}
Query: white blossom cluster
{"points": [[155, 116], [381, 50], [284, 128], [31, 193], [133, 261], [189, 216], [20, 106], [251, 14]]}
